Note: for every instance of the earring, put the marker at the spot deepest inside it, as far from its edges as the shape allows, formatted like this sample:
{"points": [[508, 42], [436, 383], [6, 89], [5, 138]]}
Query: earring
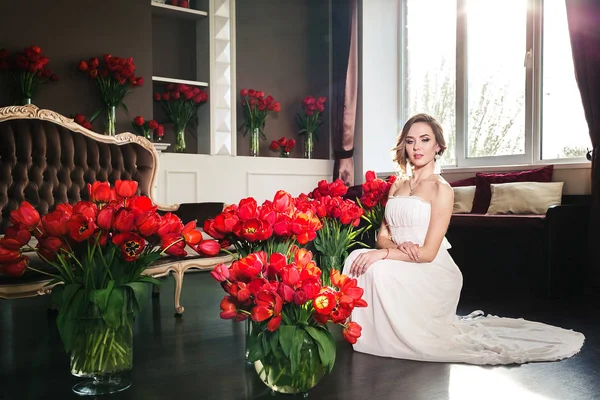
{"points": [[408, 171], [437, 169]]}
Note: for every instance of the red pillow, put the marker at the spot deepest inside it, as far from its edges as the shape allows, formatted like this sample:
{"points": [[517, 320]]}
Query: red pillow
{"points": [[464, 182], [483, 193]]}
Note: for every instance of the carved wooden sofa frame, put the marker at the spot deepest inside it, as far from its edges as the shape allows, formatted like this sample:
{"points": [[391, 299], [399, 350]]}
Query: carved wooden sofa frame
{"points": [[47, 159]]}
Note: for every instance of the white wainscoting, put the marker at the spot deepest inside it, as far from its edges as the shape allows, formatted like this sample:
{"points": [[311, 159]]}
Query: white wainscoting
{"points": [[194, 178]]}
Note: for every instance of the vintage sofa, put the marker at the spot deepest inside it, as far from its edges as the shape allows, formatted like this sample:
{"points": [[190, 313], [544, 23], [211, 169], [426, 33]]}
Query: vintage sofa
{"points": [[519, 256], [48, 159]]}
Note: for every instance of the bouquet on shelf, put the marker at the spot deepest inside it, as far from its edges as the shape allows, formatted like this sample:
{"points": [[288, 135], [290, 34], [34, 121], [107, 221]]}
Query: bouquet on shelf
{"points": [[373, 201], [289, 310], [145, 128], [114, 80], [82, 120], [98, 250], [284, 146], [29, 69], [256, 107], [273, 227], [181, 103], [310, 121], [340, 218]]}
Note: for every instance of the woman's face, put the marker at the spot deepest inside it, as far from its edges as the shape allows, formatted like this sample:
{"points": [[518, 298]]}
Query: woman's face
{"points": [[421, 145]]}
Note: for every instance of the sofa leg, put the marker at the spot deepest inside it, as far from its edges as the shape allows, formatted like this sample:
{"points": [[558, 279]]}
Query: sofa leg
{"points": [[178, 276]]}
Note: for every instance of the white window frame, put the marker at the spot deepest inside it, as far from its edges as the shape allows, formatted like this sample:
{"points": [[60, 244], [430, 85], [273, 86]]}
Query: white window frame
{"points": [[533, 89]]}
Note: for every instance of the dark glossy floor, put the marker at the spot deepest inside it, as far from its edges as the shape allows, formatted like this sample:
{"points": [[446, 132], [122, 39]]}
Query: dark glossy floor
{"points": [[200, 356]]}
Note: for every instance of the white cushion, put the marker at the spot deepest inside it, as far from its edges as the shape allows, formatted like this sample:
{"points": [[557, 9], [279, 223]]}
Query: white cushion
{"points": [[524, 197], [463, 199]]}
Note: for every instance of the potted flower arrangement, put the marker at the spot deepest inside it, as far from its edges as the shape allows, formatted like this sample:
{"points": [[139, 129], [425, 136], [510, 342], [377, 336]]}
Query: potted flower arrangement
{"points": [[146, 128], [340, 218], [29, 69], [288, 307], [309, 122], [273, 226], [256, 108], [114, 80], [373, 200], [98, 251], [284, 146], [181, 103]]}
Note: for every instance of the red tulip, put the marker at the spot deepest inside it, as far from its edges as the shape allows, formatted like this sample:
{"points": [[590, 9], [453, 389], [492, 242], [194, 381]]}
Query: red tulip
{"points": [[80, 227], [169, 224], [325, 302], [99, 192], [15, 269], [228, 307], [124, 220], [55, 223], [191, 236], [174, 245], [131, 245], [220, 272], [26, 216], [126, 189], [87, 208], [352, 332], [208, 248], [147, 223], [8, 255]]}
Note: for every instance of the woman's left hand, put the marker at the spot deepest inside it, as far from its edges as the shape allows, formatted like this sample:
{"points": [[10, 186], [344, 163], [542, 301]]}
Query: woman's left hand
{"points": [[364, 261]]}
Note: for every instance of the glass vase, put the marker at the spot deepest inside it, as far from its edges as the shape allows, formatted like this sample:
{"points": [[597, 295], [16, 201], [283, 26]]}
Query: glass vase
{"points": [[275, 370], [309, 145], [254, 142], [111, 121], [102, 354], [26, 100], [148, 135], [179, 139], [284, 154], [328, 263]]}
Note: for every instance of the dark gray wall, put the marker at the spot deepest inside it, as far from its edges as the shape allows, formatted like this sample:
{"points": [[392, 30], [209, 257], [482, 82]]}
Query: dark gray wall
{"points": [[71, 30], [283, 49]]}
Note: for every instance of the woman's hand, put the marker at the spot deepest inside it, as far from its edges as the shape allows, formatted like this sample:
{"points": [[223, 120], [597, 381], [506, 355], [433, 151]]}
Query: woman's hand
{"points": [[410, 249], [365, 260]]}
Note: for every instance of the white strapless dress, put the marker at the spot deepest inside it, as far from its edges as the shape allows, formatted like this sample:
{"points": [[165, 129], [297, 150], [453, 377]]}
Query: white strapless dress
{"points": [[411, 312]]}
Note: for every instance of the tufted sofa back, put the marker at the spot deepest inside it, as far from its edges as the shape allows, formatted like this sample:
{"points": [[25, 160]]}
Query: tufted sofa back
{"points": [[47, 162]]}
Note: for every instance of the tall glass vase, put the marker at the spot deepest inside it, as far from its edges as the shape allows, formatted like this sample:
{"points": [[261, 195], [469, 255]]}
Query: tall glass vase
{"points": [[254, 142], [179, 139], [309, 145], [102, 354], [26, 100], [111, 121]]}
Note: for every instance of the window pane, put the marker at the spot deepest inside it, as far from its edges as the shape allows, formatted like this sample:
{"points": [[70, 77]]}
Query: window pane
{"points": [[431, 65], [564, 129], [496, 36]]}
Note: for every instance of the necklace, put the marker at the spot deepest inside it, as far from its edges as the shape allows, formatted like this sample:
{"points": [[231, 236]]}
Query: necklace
{"points": [[412, 189]]}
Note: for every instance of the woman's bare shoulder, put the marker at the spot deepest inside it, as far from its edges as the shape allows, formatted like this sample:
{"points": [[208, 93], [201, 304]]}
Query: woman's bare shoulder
{"points": [[443, 190]]}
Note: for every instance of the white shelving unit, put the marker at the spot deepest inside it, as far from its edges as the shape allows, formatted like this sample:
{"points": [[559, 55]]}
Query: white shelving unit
{"points": [[168, 10], [162, 79], [218, 48]]}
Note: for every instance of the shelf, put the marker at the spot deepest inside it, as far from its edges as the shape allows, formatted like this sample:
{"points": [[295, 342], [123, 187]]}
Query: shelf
{"points": [[162, 79], [167, 10]]}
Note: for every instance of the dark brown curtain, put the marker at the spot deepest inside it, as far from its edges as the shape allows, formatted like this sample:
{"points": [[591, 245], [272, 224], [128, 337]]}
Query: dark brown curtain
{"points": [[345, 84], [584, 29]]}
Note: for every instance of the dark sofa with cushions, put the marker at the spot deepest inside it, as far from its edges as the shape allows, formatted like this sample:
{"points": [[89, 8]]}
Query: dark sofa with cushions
{"points": [[48, 159], [518, 256]]}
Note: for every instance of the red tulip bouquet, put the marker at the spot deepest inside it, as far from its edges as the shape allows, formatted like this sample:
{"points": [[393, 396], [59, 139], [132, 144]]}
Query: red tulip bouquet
{"points": [[373, 200], [289, 343], [29, 69], [283, 146], [256, 108], [310, 121], [145, 128], [82, 120], [99, 250], [181, 103], [340, 218], [114, 80], [273, 227]]}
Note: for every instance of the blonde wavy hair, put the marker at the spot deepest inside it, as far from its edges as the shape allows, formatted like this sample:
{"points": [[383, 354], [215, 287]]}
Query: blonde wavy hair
{"points": [[399, 151]]}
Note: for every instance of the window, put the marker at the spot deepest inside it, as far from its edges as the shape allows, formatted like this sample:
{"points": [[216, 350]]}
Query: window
{"points": [[474, 64]]}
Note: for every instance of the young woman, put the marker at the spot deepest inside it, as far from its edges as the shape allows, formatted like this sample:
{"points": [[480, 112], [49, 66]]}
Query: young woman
{"points": [[412, 285]]}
